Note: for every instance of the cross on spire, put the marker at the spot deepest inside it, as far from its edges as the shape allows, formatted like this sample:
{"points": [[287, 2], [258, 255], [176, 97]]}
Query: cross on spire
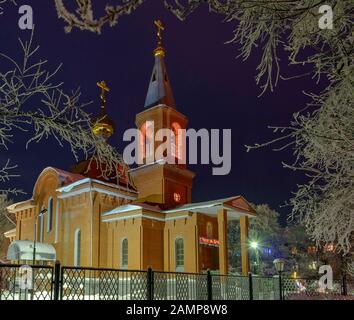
{"points": [[160, 28], [159, 51], [104, 88]]}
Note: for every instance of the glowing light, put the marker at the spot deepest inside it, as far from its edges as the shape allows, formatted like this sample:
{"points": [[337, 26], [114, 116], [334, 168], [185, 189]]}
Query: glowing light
{"points": [[254, 244]]}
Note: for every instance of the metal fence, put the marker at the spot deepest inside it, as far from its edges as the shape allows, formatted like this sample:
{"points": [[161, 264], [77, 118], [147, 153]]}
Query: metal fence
{"points": [[302, 288], [179, 286], [71, 283], [18, 282], [230, 287], [103, 284]]}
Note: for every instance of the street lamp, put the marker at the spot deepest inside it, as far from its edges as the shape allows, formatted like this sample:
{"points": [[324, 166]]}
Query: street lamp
{"points": [[41, 213], [279, 266], [254, 245]]}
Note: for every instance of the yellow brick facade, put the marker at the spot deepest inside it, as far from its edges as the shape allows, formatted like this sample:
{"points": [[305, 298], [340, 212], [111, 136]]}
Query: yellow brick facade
{"points": [[98, 224]]}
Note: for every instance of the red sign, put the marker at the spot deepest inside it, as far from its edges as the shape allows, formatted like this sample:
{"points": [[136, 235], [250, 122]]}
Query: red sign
{"points": [[209, 242]]}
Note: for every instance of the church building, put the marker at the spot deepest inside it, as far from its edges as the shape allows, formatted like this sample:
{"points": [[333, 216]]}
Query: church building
{"points": [[144, 219]]}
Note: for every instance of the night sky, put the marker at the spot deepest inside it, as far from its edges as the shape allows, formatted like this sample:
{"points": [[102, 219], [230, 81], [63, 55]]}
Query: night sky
{"points": [[211, 87]]}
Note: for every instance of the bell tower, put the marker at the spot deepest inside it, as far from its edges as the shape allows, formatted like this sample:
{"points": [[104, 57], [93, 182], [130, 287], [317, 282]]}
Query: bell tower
{"points": [[157, 180]]}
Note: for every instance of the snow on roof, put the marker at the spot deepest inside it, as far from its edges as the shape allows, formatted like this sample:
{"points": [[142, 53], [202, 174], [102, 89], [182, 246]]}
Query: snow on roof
{"points": [[64, 177], [71, 186], [23, 250], [200, 205], [12, 207], [131, 207], [68, 177], [239, 205], [10, 233]]}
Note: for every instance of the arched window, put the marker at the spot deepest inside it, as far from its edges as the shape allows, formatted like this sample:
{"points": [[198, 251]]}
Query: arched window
{"points": [[176, 143], [147, 140], [77, 248], [50, 215], [179, 254], [124, 254]]}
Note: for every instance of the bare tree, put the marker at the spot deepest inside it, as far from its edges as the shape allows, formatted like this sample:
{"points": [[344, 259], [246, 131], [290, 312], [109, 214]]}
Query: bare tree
{"points": [[83, 17], [32, 101]]}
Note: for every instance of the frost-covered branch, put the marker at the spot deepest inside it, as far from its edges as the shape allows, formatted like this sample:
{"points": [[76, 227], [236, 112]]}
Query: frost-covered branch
{"points": [[83, 17], [4, 217], [2, 2], [32, 101]]}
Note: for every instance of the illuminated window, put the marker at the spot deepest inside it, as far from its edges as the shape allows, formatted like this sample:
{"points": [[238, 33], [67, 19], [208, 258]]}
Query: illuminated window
{"points": [[176, 141], [179, 254], [147, 140], [177, 197], [124, 254]]}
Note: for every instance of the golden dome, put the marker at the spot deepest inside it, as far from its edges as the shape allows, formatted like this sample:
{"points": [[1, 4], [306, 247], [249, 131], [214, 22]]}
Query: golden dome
{"points": [[103, 125]]}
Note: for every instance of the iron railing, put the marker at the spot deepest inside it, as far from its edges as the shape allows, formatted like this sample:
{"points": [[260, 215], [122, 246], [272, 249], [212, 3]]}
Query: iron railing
{"points": [[18, 282], [179, 286], [230, 287], [103, 284], [81, 283], [302, 288]]}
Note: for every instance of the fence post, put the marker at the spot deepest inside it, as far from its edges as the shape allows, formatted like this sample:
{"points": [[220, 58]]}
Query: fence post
{"points": [[150, 284], [344, 285], [209, 285], [280, 287], [250, 285], [56, 280]]}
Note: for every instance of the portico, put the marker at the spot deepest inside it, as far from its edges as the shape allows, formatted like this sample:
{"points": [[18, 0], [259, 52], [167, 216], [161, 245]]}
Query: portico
{"points": [[211, 227]]}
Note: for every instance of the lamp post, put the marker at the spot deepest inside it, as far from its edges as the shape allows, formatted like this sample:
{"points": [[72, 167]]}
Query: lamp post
{"points": [[41, 213], [279, 266]]}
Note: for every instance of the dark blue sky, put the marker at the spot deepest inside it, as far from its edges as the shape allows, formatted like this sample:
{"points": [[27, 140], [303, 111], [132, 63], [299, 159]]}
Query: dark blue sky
{"points": [[211, 87]]}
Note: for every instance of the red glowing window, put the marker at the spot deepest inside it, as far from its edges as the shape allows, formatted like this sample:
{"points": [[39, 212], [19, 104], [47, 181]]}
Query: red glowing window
{"points": [[177, 197]]}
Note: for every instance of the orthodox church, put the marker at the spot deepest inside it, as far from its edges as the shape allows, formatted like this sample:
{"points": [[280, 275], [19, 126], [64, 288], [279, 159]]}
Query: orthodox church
{"points": [[146, 220]]}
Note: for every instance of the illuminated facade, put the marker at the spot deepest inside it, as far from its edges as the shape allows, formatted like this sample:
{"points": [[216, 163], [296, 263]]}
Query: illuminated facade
{"points": [[91, 222]]}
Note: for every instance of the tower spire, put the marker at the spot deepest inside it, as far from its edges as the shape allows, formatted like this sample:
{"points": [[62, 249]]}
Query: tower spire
{"points": [[160, 91], [103, 126]]}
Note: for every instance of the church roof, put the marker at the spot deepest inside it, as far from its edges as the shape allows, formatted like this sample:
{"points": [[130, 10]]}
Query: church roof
{"points": [[131, 207], [160, 91], [236, 204], [72, 186], [67, 177]]}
